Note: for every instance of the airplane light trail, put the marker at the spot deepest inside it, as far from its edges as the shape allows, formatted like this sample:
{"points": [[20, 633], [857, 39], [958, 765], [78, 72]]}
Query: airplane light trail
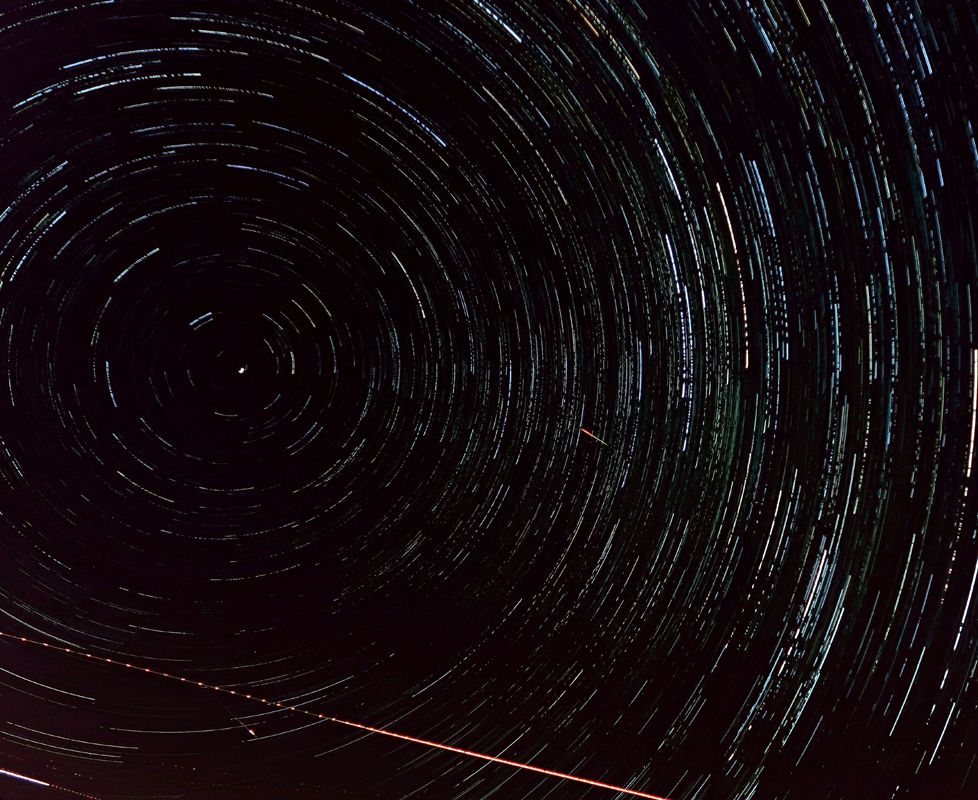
{"points": [[326, 718], [586, 431]]}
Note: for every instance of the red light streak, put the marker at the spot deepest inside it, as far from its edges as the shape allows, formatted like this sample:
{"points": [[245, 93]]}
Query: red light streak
{"points": [[326, 718], [586, 431]]}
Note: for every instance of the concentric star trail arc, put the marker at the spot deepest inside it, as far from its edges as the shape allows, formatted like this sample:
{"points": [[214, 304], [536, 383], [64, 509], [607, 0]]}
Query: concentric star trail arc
{"points": [[590, 384]]}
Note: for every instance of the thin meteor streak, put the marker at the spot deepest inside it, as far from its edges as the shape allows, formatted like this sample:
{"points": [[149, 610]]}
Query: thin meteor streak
{"points": [[228, 712], [347, 723], [586, 431]]}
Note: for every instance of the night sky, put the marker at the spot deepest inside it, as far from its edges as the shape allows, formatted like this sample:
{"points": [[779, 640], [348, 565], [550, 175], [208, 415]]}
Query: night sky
{"points": [[590, 384]]}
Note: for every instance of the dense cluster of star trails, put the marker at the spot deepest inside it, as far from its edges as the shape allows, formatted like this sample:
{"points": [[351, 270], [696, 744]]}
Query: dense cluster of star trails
{"points": [[488, 399]]}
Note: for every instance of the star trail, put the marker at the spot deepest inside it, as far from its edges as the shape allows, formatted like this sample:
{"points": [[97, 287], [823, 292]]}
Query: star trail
{"points": [[464, 399]]}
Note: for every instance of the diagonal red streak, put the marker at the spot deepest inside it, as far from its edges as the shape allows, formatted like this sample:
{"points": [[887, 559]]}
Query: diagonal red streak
{"points": [[359, 726], [497, 760]]}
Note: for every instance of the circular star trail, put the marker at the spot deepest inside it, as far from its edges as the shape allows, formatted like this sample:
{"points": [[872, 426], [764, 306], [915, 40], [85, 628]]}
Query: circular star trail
{"points": [[585, 385]]}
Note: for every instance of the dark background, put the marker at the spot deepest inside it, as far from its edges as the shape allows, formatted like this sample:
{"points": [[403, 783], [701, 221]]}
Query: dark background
{"points": [[302, 311]]}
